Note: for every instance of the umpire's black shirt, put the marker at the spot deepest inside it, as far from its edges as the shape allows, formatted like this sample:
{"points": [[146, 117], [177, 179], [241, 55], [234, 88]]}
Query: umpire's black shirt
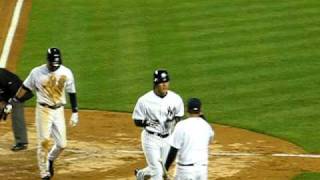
{"points": [[9, 84]]}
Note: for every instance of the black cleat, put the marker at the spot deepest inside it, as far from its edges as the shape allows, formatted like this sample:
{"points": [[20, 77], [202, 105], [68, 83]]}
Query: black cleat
{"points": [[51, 168], [46, 178], [136, 172], [19, 147]]}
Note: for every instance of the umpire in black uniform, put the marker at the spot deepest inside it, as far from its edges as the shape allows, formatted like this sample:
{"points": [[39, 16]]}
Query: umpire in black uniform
{"points": [[9, 85]]}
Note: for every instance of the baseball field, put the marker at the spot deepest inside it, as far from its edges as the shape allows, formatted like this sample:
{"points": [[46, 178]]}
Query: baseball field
{"points": [[254, 64]]}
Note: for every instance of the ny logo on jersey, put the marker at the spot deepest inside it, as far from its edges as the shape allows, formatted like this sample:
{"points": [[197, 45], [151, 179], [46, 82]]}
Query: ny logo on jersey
{"points": [[171, 113]]}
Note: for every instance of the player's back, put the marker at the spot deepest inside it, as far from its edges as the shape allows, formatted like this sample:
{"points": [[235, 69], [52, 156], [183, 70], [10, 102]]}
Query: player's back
{"points": [[196, 134]]}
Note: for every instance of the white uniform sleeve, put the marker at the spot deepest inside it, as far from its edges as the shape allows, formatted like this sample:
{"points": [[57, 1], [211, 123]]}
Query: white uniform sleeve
{"points": [[180, 108], [176, 139], [70, 84], [211, 134], [29, 82], [139, 111]]}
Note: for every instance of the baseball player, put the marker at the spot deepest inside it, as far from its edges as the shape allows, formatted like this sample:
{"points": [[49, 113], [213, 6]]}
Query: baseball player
{"points": [[156, 112], [51, 81], [9, 85], [190, 140]]}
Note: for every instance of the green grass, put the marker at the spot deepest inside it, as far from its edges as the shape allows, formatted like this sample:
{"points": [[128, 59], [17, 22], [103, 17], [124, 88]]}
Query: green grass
{"points": [[254, 64], [307, 176]]}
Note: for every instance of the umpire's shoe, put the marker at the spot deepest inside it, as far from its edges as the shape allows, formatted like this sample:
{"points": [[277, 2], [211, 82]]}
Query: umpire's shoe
{"points": [[51, 168], [19, 147]]}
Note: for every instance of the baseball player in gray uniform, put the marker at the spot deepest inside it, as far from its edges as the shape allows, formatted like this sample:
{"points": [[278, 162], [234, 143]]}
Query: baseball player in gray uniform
{"points": [[157, 112], [190, 140], [51, 81]]}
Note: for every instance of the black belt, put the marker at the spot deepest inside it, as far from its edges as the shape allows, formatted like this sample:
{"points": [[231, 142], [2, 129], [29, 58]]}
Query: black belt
{"points": [[51, 107], [158, 134], [185, 164]]}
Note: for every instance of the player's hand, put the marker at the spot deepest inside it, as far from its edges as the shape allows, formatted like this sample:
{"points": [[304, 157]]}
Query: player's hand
{"points": [[7, 108], [74, 119]]}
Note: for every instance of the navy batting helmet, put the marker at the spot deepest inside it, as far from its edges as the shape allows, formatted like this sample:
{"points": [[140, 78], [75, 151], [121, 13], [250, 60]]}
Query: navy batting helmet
{"points": [[160, 76], [54, 58]]}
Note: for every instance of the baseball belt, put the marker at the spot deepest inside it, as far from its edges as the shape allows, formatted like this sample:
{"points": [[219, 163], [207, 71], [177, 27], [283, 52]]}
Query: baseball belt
{"points": [[158, 134], [51, 107]]}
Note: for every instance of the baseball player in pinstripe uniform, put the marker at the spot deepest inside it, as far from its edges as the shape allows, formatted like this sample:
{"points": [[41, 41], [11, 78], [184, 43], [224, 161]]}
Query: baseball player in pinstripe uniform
{"points": [[190, 140], [51, 81], [157, 112]]}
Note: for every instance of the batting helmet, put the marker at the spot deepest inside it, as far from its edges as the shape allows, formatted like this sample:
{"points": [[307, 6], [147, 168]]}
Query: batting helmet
{"points": [[160, 76], [54, 58]]}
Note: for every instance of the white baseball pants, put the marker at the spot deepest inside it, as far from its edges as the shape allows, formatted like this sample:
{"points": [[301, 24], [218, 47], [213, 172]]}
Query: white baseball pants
{"points": [[155, 148], [50, 124], [196, 172]]}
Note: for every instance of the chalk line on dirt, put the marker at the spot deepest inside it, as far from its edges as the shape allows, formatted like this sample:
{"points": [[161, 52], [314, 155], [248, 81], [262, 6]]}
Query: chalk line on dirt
{"points": [[9, 38]]}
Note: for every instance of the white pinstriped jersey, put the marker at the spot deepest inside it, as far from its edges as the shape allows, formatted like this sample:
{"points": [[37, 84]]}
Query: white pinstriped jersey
{"points": [[158, 111], [51, 86]]}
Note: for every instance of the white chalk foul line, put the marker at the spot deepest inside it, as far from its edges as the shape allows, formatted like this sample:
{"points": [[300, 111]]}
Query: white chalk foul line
{"points": [[243, 154], [298, 155], [10, 35]]}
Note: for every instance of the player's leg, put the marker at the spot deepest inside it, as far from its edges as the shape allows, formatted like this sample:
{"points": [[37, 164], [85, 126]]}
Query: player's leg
{"points": [[151, 145], [43, 123], [58, 134], [202, 172], [19, 127], [186, 173], [165, 147]]}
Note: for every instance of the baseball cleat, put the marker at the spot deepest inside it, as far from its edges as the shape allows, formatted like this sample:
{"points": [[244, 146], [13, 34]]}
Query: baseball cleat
{"points": [[136, 172], [19, 147], [51, 168], [46, 178]]}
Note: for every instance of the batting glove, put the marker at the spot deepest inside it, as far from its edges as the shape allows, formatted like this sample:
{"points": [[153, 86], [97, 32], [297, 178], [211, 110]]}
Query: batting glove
{"points": [[8, 108], [74, 119]]}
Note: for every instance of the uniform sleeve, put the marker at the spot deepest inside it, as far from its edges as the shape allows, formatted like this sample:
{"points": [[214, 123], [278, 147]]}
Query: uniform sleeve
{"points": [[70, 86], [29, 82], [180, 108], [139, 111], [211, 132], [176, 139]]}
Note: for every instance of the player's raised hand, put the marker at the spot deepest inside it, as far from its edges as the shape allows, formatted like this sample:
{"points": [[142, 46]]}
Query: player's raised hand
{"points": [[74, 119]]}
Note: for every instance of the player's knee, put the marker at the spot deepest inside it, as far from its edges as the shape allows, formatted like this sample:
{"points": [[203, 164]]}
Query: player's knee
{"points": [[44, 144], [62, 145]]}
